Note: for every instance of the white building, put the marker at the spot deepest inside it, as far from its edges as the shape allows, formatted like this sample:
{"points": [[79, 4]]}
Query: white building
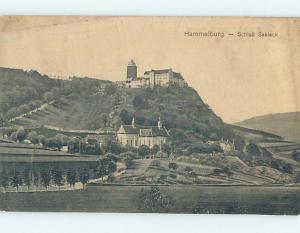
{"points": [[135, 135]]}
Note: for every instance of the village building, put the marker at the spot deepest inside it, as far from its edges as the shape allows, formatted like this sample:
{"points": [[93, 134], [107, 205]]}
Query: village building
{"points": [[135, 135], [227, 146], [152, 78]]}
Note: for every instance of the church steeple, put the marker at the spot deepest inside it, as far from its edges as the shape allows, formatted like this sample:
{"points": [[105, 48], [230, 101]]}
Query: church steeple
{"points": [[133, 123], [159, 123]]}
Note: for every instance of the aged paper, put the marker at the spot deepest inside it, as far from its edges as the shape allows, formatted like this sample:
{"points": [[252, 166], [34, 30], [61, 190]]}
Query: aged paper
{"points": [[150, 114]]}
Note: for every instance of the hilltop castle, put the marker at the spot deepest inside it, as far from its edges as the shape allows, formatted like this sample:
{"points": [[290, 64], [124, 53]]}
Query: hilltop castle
{"points": [[151, 78]]}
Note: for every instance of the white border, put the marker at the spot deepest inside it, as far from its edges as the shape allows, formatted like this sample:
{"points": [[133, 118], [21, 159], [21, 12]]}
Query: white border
{"points": [[148, 223], [152, 7]]}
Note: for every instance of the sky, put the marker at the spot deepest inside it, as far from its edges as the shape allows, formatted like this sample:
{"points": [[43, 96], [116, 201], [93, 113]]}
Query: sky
{"points": [[238, 77]]}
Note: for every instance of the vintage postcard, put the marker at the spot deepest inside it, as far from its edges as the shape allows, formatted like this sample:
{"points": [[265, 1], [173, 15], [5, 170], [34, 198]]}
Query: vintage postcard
{"points": [[150, 114]]}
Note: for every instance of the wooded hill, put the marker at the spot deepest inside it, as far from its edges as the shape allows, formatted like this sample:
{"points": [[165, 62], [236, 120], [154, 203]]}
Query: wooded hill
{"points": [[86, 103]]}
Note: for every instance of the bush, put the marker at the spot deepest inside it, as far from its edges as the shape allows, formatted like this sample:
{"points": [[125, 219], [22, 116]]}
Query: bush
{"points": [[140, 102], [173, 166], [113, 147], [129, 163], [288, 168], [296, 155], [21, 134], [111, 157], [253, 149], [166, 149], [143, 151], [33, 137], [154, 201], [155, 149]]}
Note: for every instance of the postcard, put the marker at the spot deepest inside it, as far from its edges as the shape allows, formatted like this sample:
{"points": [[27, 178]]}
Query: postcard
{"points": [[150, 114]]}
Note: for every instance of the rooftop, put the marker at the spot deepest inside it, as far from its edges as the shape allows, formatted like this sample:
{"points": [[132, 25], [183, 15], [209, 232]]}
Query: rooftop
{"points": [[146, 131], [131, 63]]}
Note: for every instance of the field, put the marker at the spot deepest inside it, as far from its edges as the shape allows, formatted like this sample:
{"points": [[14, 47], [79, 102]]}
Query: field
{"points": [[200, 199]]}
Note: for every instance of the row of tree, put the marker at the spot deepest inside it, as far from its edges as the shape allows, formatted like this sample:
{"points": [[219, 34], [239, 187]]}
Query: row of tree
{"points": [[57, 176], [30, 177]]}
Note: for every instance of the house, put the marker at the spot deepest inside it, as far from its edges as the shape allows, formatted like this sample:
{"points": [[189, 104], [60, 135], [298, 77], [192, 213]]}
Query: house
{"points": [[227, 146], [135, 135]]}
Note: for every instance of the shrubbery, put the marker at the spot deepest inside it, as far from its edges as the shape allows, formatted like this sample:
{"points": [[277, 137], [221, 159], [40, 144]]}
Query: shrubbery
{"points": [[154, 201]]}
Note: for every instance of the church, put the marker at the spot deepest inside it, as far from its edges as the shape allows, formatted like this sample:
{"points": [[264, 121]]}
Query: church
{"points": [[151, 78], [135, 135]]}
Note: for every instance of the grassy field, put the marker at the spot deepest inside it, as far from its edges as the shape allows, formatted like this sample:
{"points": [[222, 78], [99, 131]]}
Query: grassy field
{"points": [[188, 199]]}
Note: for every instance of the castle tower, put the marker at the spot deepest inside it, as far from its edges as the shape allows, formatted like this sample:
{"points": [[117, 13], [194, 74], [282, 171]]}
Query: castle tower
{"points": [[159, 123], [131, 71]]}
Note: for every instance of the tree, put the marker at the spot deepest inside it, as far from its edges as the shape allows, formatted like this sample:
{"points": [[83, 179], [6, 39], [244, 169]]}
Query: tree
{"points": [[84, 177], [71, 177], [155, 149], [4, 180], [128, 163], [16, 180], [42, 139], [275, 164], [166, 149], [110, 89], [3, 120], [28, 178], [140, 102], [33, 137], [253, 149], [46, 178], [154, 201], [36, 178], [48, 97], [125, 117], [143, 151], [288, 168], [60, 140], [296, 155], [173, 166], [73, 145], [112, 147], [51, 142], [177, 134], [105, 167], [57, 175], [21, 135]]}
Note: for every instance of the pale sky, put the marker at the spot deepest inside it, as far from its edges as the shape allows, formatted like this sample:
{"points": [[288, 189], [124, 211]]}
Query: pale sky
{"points": [[238, 77]]}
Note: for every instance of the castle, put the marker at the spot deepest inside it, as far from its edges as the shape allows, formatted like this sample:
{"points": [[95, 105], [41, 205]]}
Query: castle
{"points": [[151, 78]]}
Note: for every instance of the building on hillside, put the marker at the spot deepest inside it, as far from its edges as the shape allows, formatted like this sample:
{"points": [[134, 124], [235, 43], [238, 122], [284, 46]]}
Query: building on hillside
{"points": [[165, 78], [152, 78], [227, 146], [135, 135]]}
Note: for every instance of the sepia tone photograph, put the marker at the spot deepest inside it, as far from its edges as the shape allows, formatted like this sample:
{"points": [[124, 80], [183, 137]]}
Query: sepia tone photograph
{"points": [[189, 115]]}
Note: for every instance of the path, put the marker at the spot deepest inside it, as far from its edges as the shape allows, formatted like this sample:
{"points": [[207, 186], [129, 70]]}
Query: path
{"points": [[42, 107]]}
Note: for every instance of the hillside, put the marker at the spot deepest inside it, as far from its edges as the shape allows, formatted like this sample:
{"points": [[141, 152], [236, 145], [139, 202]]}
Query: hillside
{"points": [[89, 104], [179, 108], [286, 125], [19, 87]]}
